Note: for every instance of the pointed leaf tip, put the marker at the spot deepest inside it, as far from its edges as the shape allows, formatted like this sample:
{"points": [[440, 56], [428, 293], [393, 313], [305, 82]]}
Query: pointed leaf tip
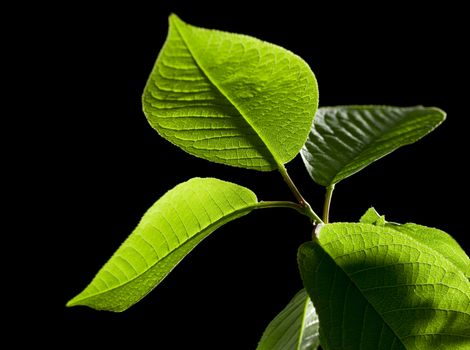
{"points": [[175, 19], [373, 217], [168, 231]]}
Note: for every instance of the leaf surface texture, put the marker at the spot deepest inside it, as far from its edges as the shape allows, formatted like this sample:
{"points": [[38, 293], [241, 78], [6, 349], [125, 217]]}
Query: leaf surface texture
{"points": [[230, 98], [378, 288], [346, 139], [167, 232], [294, 328]]}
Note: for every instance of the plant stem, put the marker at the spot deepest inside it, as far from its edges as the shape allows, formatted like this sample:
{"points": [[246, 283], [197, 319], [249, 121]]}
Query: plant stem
{"points": [[307, 209], [286, 204], [281, 204], [291, 185], [326, 206]]}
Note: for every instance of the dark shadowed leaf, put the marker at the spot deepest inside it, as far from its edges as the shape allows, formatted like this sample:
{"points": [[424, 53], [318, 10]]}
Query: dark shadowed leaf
{"points": [[345, 139]]}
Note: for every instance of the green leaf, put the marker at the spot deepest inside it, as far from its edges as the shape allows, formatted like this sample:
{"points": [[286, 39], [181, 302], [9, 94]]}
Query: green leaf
{"points": [[436, 239], [345, 139], [169, 230], [294, 328], [230, 98], [378, 288], [372, 217]]}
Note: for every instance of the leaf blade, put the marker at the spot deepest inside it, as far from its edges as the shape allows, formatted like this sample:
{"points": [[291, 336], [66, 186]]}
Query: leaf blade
{"points": [[438, 240], [168, 231], [294, 328], [210, 93], [346, 139], [372, 217], [380, 278]]}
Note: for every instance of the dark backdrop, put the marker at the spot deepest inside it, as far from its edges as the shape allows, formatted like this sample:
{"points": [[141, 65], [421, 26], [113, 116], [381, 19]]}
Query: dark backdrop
{"points": [[105, 166]]}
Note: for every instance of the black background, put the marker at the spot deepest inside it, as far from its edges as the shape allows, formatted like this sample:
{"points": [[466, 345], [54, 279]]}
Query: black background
{"points": [[101, 165]]}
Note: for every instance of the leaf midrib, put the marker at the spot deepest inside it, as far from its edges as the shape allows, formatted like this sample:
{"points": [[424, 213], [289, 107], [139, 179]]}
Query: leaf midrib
{"points": [[302, 324], [216, 224], [361, 150], [407, 237], [362, 294], [224, 93], [395, 125]]}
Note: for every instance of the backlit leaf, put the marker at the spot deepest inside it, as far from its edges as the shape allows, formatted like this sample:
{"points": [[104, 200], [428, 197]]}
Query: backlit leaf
{"points": [[294, 328], [169, 230], [372, 217], [436, 239], [230, 98]]}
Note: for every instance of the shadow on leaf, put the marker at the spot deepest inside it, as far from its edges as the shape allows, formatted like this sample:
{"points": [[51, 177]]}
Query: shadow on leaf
{"points": [[368, 301]]}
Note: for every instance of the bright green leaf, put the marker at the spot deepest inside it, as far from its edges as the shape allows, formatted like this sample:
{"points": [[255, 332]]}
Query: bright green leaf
{"points": [[230, 98], [294, 328], [438, 240], [169, 230], [372, 217], [378, 288], [345, 139]]}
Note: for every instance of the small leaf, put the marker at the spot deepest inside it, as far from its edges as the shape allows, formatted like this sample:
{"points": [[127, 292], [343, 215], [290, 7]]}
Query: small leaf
{"points": [[378, 288], [230, 98], [345, 139], [372, 217], [169, 230], [294, 328]]}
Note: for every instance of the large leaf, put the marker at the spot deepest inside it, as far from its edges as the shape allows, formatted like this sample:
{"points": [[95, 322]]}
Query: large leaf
{"points": [[294, 328], [345, 139], [230, 98], [169, 230], [378, 288]]}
